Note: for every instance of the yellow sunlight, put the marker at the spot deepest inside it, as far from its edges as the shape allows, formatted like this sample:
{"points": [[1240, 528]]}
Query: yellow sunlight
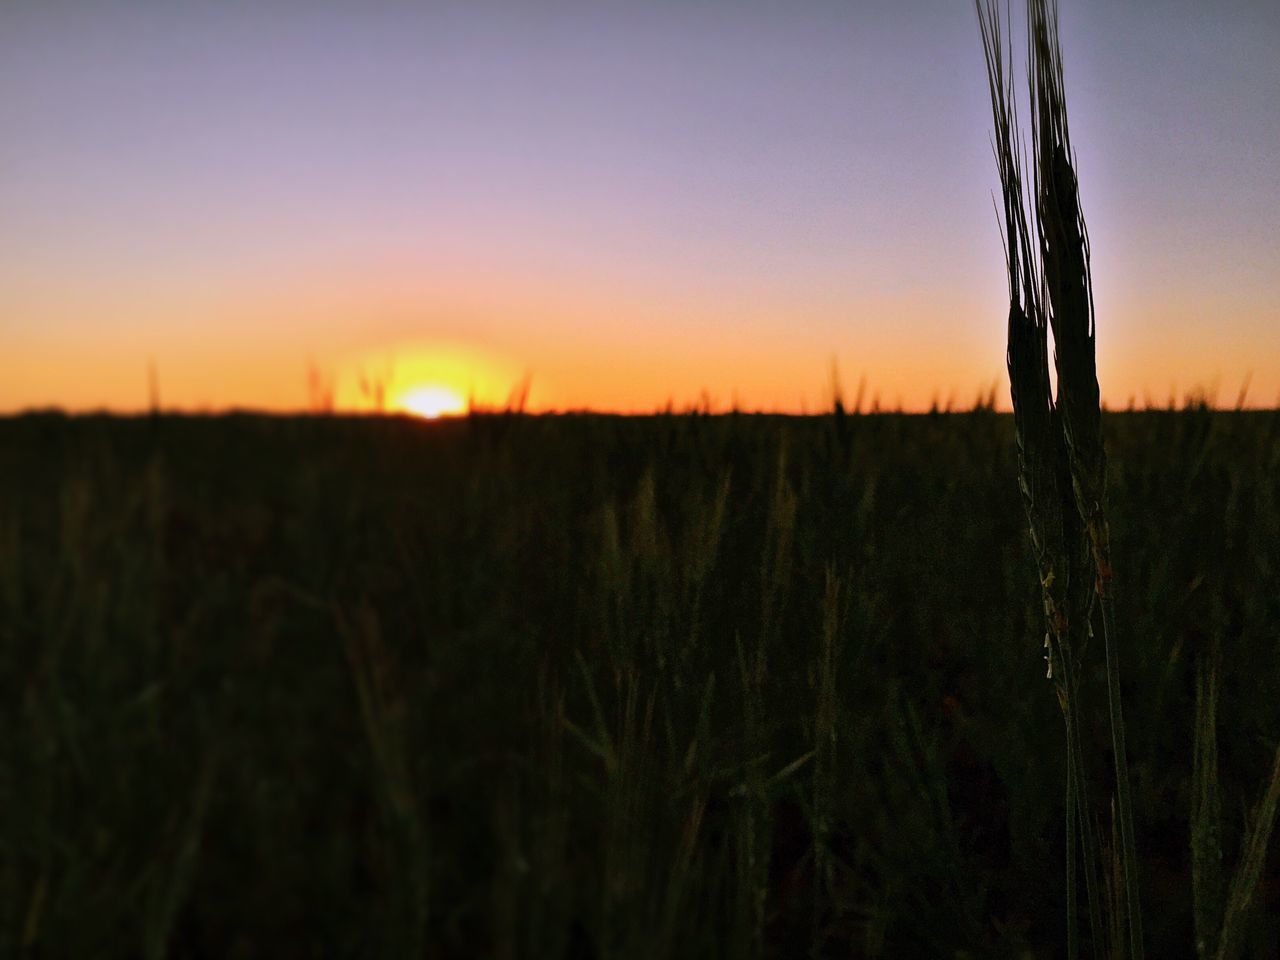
{"points": [[431, 401]]}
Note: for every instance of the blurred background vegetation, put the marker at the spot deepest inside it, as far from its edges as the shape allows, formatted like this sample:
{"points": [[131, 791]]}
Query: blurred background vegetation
{"points": [[599, 687]]}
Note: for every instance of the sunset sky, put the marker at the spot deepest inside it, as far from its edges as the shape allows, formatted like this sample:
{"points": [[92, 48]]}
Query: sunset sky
{"points": [[629, 204]]}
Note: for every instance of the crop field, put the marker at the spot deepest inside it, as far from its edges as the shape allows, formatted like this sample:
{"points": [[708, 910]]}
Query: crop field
{"points": [[685, 685]]}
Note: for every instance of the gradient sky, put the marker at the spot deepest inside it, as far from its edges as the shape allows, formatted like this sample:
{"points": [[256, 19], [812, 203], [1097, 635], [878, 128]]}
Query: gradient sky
{"points": [[631, 203]]}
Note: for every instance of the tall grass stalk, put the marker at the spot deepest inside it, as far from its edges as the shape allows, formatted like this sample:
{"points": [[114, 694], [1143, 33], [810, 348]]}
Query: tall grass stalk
{"points": [[383, 710], [1064, 253], [1253, 857], [1062, 464], [1221, 915], [824, 764], [1206, 809]]}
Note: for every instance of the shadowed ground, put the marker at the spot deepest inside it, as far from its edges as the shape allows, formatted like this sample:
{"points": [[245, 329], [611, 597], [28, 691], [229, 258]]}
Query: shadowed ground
{"points": [[597, 687]]}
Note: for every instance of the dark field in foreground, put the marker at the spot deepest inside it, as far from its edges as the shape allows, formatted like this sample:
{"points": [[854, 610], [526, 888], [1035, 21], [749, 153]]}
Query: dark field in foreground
{"points": [[596, 687]]}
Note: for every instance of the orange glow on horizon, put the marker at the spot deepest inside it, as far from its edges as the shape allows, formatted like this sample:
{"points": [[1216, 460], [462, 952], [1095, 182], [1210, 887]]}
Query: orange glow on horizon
{"points": [[429, 379], [632, 365], [431, 402]]}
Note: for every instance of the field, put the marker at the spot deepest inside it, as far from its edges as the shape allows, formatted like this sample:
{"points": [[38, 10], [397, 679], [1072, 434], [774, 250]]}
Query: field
{"points": [[597, 687]]}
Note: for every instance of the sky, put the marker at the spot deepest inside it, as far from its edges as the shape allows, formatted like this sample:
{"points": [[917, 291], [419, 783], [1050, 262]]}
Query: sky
{"points": [[621, 205]]}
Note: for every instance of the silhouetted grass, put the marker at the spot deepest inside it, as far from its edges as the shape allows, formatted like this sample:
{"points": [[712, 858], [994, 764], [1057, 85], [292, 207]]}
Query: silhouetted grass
{"points": [[1063, 479], [598, 686]]}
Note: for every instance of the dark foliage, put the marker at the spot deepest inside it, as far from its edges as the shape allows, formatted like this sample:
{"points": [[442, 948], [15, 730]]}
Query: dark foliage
{"points": [[598, 687]]}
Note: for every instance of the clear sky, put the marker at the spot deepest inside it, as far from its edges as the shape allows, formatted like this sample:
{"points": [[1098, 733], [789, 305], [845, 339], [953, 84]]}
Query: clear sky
{"points": [[629, 203]]}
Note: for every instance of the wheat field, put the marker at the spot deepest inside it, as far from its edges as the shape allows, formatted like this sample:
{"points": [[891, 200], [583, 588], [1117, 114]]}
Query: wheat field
{"points": [[670, 686]]}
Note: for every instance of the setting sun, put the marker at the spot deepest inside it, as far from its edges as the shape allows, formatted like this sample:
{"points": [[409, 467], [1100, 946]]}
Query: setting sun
{"points": [[432, 401], [429, 379]]}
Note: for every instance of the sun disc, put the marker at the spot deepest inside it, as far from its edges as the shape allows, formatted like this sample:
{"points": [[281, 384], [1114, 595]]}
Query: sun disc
{"points": [[432, 401]]}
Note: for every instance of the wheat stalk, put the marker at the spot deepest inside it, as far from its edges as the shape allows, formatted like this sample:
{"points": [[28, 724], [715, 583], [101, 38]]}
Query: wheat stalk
{"points": [[1064, 252], [1061, 460]]}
